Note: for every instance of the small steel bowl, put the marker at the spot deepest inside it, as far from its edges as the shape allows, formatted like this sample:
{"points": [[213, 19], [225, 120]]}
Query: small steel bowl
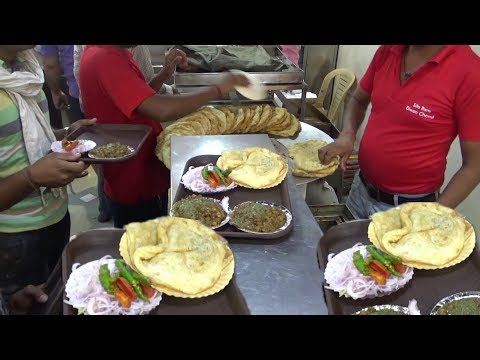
{"points": [[454, 297], [397, 308]]}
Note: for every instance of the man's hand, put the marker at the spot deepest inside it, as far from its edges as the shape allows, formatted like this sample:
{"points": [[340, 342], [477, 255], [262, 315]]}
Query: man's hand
{"points": [[60, 99], [23, 300], [231, 80], [83, 122], [57, 170], [176, 57], [342, 146]]}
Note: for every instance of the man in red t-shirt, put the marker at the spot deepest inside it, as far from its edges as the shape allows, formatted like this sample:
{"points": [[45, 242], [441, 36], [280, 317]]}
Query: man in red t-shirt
{"points": [[422, 97], [114, 89]]}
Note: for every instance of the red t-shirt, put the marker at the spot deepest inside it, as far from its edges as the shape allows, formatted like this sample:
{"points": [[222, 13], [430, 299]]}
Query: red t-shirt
{"points": [[411, 126], [112, 87]]}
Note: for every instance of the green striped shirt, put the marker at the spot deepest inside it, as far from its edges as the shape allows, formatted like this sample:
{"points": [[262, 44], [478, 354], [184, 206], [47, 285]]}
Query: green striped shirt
{"points": [[30, 213]]}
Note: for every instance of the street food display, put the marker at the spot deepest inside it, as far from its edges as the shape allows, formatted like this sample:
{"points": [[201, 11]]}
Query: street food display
{"points": [[465, 303], [365, 272], [111, 151], [424, 235], [254, 167], [228, 120], [207, 179], [306, 162], [181, 257], [108, 287], [210, 212]]}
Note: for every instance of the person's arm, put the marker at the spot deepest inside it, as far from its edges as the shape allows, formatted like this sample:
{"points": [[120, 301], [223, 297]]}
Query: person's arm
{"points": [[343, 145], [466, 113], [353, 118], [52, 171], [355, 112], [53, 72], [61, 133], [172, 107], [466, 178], [23, 300], [131, 93], [14, 189], [172, 59]]}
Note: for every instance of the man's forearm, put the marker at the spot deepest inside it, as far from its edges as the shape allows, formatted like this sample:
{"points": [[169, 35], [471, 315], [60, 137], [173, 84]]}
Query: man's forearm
{"points": [[460, 186], [172, 107], [157, 82], [13, 189], [354, 115]]}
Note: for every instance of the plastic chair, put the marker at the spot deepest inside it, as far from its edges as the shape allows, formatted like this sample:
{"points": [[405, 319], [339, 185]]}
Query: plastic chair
{"points": [[344, 81]]}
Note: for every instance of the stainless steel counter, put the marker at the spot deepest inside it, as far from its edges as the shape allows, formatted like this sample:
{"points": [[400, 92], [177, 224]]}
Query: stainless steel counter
{"points": [[275, 276]]}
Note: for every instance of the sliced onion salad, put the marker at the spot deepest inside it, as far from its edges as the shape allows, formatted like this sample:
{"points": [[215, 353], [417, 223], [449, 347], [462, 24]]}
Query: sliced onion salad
{"points": [[86, 294], [342, 276], [194, 181]]}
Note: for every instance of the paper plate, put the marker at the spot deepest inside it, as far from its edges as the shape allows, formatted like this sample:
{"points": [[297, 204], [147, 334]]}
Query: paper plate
{"points": [[467, 249], [253, 92], [82, 147]]}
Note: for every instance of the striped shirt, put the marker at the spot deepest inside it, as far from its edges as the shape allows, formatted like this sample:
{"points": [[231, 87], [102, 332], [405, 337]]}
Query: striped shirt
{"points": [[30, 213]]}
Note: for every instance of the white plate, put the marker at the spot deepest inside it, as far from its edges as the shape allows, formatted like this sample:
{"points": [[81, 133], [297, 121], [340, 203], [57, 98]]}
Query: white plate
{"points": [[82, 147], [287, 213], [193, 181], [253, 92]]}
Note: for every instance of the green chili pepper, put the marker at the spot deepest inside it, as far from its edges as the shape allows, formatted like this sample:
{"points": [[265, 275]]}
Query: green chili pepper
{"points": [[126, 274], [376, 255], [368, 260], [360, 263], [205, 173], [393, 259], [115, 277], [140, 278], [227, 172], [105, 279], [220, 175]]}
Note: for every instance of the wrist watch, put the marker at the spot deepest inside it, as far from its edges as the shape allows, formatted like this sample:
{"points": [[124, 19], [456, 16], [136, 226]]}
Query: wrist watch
{"points": [[66, 129]]}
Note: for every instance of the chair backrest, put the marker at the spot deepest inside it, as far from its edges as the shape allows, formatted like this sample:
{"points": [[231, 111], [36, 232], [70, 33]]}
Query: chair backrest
{"points": [[344, 81]]}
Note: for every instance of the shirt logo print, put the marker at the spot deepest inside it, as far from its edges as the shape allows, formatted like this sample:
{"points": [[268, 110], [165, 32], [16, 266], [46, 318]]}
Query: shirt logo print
{"points": [[420, 110]]}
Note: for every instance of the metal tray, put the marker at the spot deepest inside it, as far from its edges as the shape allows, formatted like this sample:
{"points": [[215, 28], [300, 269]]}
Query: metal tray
{"points": [[277, 195], [95, 244], [428, 287], [130, 135]]}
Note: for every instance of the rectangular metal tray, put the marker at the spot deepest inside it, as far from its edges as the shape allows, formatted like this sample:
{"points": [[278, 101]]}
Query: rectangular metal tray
{"points": [[277, 195], [129, 134], [292, 74], [428, 287], [94, 244]]}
